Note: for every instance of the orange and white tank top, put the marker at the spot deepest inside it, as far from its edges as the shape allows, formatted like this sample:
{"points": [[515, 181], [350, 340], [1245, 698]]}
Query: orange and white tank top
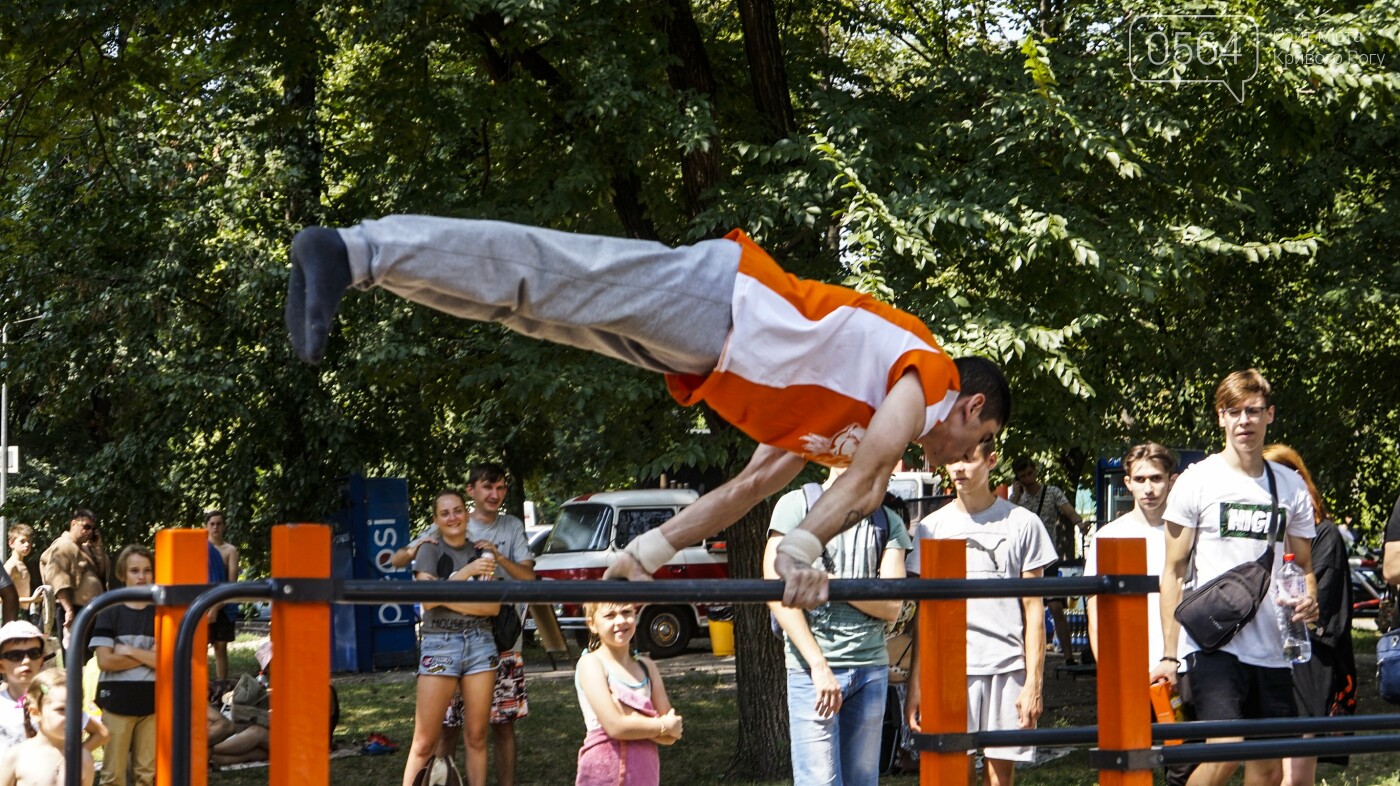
{"points": [[807, 364]]}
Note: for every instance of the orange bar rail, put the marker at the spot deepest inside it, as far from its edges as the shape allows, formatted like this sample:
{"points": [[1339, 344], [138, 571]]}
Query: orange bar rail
{"points": [[1125, 714], [300, 744], [943, 664], [182, 557]]}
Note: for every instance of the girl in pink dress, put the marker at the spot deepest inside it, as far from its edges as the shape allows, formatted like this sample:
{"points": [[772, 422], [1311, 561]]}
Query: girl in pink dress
{"points": [[624, 704]]}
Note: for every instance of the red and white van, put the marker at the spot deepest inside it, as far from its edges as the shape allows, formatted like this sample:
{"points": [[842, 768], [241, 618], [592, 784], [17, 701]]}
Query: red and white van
{"points": [[593, 529]]}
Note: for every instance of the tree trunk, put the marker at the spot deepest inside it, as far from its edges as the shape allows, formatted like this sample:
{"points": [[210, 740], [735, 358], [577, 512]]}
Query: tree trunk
{"points": [[692, 74], [761, 750], [301, 68], [764, 49]]}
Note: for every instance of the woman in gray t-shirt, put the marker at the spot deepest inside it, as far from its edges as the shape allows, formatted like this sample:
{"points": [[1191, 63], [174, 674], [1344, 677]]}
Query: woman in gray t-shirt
{"points": [[458, 651]]}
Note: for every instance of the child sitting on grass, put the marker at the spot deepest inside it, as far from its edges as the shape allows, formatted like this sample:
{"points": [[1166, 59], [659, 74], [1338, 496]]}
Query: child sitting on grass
{"points": [[21, 660], [38, 761], [624, 704]]}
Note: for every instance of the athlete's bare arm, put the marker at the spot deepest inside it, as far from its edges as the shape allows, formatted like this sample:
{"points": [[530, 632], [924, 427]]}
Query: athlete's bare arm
{"points": [[898, 422], [768, 472]]}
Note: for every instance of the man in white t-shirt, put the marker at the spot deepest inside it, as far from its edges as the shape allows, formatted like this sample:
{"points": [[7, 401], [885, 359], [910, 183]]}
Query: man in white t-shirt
{"points": [[1005, 636], [1149, 470], [1223, 506]]}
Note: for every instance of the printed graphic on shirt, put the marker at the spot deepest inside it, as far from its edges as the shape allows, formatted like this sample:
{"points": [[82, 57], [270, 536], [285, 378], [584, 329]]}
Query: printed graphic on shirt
{"points": [[842, 446], [1244, 520], [980, 553]]}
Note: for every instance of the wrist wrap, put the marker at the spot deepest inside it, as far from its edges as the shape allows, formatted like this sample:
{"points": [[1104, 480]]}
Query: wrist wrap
{"points": [[651, 550], [802, 546]]}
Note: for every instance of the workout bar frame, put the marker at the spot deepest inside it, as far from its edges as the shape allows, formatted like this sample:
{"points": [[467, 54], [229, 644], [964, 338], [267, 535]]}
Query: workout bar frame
{"points": [[1191, 730], [302, 593]]}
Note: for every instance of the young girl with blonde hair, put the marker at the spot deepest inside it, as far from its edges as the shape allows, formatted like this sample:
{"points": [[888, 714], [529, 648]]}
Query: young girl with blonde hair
{"points": [[38, 761], [624, 704]]}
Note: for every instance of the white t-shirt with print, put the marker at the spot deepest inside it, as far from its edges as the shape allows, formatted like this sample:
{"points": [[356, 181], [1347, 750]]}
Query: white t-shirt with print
{"points": [[1003, 542], [1133, 525], [1230, 512]]}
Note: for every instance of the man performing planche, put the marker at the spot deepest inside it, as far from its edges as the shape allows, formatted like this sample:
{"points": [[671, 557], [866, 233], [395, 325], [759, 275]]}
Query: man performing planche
{"points": [[811, 371]]}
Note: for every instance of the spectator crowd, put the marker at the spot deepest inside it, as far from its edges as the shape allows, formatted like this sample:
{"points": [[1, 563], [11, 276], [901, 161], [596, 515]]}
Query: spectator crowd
{"points": [[1197, 523]]}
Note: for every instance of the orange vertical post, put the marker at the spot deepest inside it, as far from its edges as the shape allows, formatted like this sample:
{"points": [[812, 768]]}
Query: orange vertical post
{"points": [[1125, 718], [943, 664], [300, 743], [182, 557]]}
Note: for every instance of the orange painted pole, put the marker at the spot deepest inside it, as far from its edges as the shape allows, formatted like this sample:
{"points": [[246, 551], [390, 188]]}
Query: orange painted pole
{"points": [[943, 664], [1125, 716], [182, 557], [300, 741]]}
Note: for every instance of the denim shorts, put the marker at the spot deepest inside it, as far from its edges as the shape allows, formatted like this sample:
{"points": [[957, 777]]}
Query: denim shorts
{"points": [[457, 654]]}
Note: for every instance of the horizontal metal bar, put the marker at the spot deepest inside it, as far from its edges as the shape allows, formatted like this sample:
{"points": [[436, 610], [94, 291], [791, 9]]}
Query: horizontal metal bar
{"points": [[728, 590], [1194, 730], [1273, 727], [1197, 752], [1124, 761], [943, 743]]}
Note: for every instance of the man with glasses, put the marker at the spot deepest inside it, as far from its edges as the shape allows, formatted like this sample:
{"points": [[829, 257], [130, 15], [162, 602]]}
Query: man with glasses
{"points": [[72, 570], [1051, 505], [1222, 506]]}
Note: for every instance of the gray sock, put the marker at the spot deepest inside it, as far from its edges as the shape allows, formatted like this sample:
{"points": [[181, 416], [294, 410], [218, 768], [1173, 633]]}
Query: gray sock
{"points": [[320, 276]]}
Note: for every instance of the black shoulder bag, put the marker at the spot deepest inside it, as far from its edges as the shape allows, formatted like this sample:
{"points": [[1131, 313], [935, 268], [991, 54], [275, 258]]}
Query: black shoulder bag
{"points": [[1214, 612]]}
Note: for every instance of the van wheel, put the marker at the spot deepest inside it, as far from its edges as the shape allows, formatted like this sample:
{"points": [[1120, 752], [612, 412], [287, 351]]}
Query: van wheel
{"points": [[663, 631]]}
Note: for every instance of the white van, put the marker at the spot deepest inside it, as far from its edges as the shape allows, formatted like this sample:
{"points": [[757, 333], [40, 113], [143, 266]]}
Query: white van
{"points": [[593, 529]]}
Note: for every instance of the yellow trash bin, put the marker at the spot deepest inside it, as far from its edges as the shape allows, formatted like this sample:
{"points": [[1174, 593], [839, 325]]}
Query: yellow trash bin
{"points": [[722, 637]]}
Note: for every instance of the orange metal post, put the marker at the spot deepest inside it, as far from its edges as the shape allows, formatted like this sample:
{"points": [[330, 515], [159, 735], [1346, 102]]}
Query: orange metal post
{"points": [[1125, 718], [943, 664], [182, 557], [300, 744]]}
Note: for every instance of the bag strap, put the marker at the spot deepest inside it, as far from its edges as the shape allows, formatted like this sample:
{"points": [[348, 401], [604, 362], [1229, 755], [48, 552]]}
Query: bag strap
{"points": [[1267, 558]]}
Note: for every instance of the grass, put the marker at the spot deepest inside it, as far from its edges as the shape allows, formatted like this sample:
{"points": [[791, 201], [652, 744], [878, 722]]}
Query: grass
{"points": [[548, 740]]}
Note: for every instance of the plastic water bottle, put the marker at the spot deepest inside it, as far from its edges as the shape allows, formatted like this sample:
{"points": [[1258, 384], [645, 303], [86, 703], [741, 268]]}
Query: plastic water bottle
{"points": [[1289, 585]]}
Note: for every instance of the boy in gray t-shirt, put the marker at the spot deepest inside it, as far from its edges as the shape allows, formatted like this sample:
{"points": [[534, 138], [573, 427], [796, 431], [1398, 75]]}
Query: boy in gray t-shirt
{"points": [[1005, 636]]}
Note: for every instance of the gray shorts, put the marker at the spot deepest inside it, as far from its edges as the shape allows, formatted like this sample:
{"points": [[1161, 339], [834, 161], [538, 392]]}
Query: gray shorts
{"points": [[457, 654]]}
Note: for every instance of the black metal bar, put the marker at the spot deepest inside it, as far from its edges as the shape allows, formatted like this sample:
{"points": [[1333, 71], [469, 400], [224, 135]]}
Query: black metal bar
{"points": [[1273, 727], [1197, 752], [1123, 761], [184, 666], [1194, 730], [73, 661], [729, 590], [944, 743]]}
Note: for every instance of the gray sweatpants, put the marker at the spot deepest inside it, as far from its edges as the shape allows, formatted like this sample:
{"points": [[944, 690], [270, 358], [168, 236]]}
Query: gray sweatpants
{"points": [[644, 303]]}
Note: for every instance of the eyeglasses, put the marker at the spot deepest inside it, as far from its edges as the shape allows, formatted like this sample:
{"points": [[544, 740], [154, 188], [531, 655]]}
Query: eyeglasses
{"points": [[17, 656], [1235, 413]]}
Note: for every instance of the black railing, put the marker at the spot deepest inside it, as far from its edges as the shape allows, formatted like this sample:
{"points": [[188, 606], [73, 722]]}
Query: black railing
{"points": [[201, 599]]}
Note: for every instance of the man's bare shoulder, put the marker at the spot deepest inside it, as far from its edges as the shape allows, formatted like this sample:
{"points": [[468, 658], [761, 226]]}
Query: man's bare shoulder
{"points": [[227, 549]]}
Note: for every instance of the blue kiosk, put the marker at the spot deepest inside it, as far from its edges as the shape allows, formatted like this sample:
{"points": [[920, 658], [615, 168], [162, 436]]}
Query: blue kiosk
{"points": [[370, 526]]}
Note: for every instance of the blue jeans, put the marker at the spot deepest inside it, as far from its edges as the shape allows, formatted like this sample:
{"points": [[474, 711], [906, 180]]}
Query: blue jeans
{"points": [[844, 749]]}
